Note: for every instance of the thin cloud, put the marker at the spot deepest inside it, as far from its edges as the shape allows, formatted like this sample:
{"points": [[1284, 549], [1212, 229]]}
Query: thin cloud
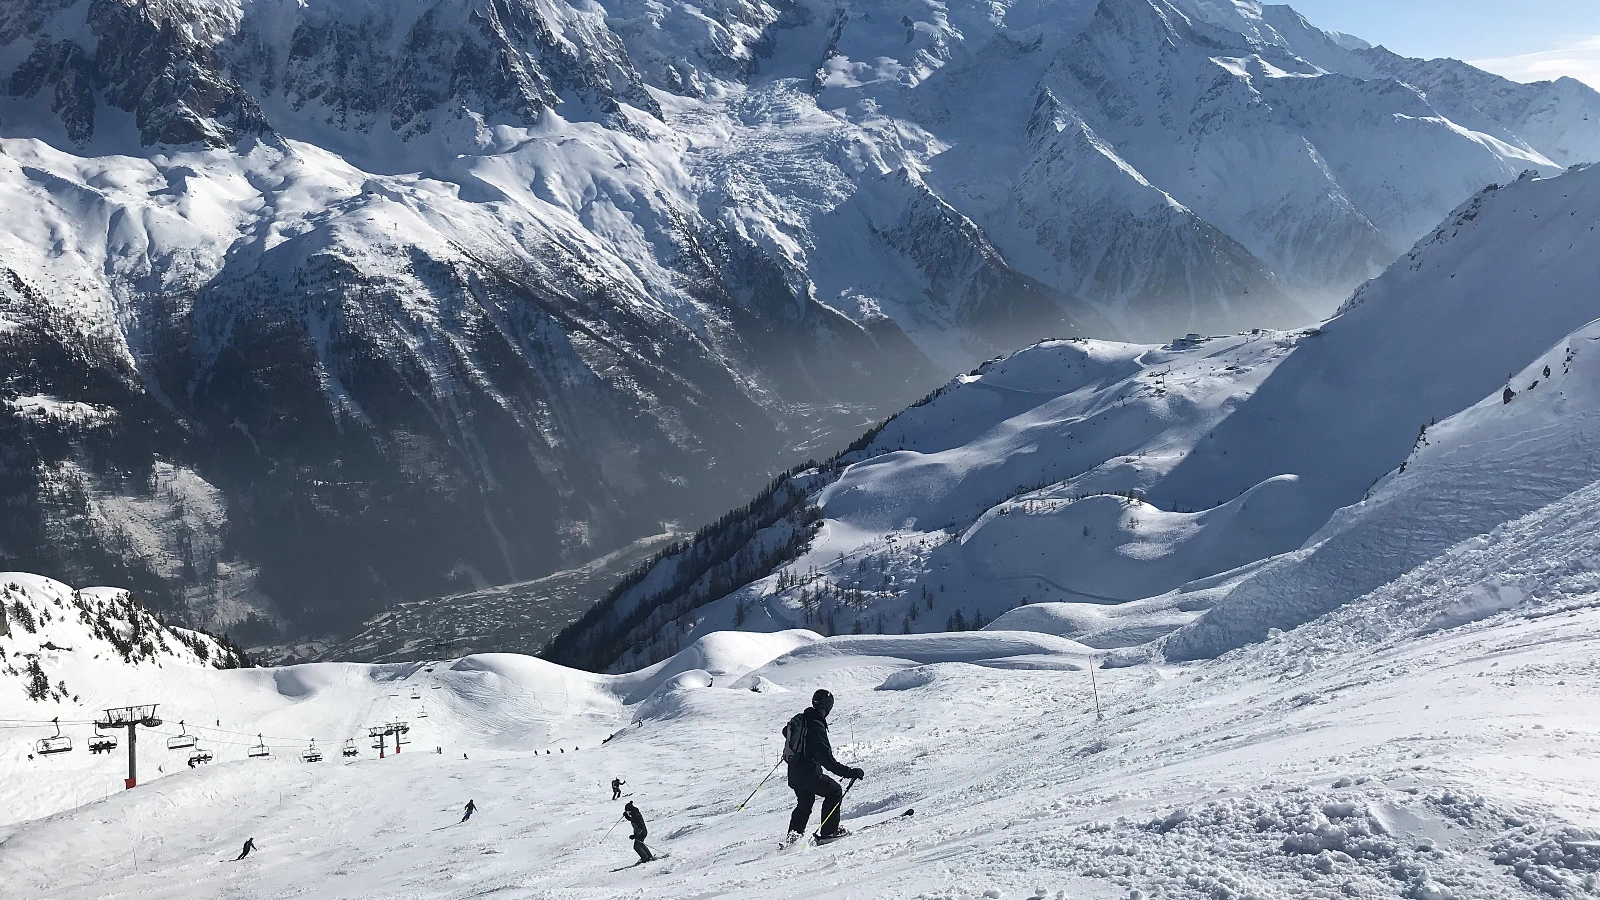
{"points": [[1580, 61]]}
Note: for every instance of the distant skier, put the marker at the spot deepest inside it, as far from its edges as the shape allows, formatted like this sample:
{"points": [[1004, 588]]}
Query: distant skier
{"points": [[616, 788], [471, 808], [636, 819], [808, 751], [249, 844]]}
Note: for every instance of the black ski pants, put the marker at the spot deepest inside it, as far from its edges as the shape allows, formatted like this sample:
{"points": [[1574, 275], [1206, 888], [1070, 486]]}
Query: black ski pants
{"points": [[808, 786], [638, 845]]}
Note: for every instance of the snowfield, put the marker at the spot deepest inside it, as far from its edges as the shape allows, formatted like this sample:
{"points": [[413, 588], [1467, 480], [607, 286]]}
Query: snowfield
{"points": [[1431, 739]]}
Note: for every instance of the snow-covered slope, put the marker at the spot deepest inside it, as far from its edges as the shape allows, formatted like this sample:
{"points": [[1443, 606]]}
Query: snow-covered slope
{"points": [[1139, 485], [1432, 739], [48, 631], [408, 299]]}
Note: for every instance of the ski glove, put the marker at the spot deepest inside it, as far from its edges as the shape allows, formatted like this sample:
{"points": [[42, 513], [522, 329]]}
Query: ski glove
{"points": [[857, 774]]}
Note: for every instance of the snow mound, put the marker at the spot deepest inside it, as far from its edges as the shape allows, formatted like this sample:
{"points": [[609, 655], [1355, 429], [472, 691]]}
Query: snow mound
{"points": [[723, 654], [910, 679]]}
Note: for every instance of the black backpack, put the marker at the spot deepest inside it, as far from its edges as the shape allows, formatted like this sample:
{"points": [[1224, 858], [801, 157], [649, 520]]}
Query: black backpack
{"points": [[794, 739]]}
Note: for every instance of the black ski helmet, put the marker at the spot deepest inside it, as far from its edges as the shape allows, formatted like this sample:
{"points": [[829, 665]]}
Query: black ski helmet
{"points": [[822, 701]]}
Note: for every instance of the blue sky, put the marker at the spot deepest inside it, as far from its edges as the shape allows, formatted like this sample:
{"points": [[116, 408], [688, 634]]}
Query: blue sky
{"points": [[1523, 39]]}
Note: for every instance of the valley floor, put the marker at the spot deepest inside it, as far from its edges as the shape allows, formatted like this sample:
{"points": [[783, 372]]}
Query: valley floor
{"points": [[1327, 762]]}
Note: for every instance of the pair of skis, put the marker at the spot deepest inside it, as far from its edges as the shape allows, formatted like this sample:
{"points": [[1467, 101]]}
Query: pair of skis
{"points": [[656, 858], [817, 840]]}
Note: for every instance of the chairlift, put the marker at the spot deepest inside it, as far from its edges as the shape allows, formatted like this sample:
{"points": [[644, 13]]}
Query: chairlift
{"points": [[102, 743], [400, 736], [59, 743], [350, 748], [201, 756], [260, 750], [416, 694], [182, 741], [312, 754]]}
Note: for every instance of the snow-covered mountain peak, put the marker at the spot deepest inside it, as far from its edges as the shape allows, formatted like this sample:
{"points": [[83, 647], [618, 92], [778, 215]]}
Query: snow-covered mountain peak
{"points": [[712, 237]]}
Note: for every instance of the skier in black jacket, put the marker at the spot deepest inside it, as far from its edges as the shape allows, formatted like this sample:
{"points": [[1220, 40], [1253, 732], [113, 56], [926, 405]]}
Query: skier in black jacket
{"points": [[249, 844], [636, 819], [616, 788], [808, 751], [471, 808]]}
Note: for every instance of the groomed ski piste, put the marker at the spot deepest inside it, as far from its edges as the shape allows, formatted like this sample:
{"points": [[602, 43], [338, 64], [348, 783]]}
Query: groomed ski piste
{"points": [[1432, 739]]}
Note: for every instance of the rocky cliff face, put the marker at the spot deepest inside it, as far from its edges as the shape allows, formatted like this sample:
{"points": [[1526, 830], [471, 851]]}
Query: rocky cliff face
{"points": [[313, 306]]}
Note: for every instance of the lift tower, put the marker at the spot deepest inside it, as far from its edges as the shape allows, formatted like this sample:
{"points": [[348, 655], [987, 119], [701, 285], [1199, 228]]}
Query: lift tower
{"points": [[131, 717]]}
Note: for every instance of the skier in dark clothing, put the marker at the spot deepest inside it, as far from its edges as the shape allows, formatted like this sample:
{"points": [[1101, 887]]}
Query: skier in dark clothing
{"points": [[616, 788], [249, 844], [636, 819], [808, 751], [471, 808]]}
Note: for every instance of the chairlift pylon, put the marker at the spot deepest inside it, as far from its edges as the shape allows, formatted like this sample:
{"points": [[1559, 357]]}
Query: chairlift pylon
{"points": [[102, 743], [58, 743], [182, 741], [260, 750]]}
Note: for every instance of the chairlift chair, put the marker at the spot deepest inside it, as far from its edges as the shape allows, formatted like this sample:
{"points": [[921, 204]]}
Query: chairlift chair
{"points": [[416, 694], [182, 741], [260, 750], [350, 748], [58, 743], [200, 757], [102, 743], [312, 754]]}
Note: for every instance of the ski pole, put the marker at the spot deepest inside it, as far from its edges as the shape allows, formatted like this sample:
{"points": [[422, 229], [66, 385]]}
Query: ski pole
{"points": [[836, 806], [612, 828], [763, 782], [1098, 716]]}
